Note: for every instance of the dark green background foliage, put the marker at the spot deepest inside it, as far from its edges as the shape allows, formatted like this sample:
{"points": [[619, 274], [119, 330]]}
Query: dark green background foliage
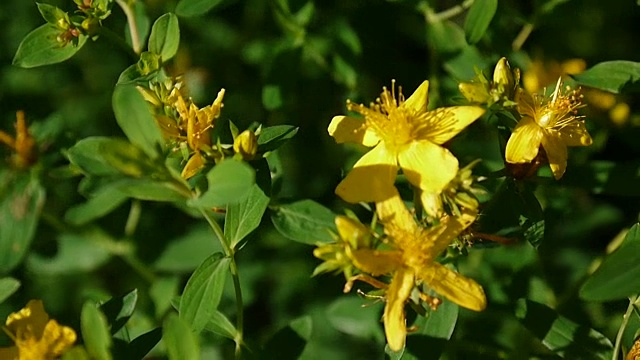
{"points": [[295, 63]]}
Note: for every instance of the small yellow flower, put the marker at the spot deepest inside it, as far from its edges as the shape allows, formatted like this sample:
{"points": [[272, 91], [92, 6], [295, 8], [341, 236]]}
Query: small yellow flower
{"points": [[403, 134], [246, 145], [23, 144], [36, 337], [548, 122]]}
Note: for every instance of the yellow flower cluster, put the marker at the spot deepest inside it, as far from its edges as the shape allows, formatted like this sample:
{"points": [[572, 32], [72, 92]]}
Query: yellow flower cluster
{"points": [[405, 136], [36, 337]]}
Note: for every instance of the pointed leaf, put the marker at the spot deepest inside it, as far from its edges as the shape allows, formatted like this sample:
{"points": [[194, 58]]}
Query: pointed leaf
{"points": [[610, 76], [119, 309], [203, 292], [135, 119], [181, 342], [229, 182], [220, 324], [41, 47], [195, 7], [478, 19], [95, 332], [8, 286], [165, 36], [244, 217], [617, 277], [305, 221], [273, 137]]}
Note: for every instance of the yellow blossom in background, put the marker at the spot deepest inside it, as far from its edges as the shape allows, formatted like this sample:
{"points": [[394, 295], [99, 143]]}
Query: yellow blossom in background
{"points": [[540, 74], [403, 134], [36, 337], [410, 261], [552, 123], [23, 145]]}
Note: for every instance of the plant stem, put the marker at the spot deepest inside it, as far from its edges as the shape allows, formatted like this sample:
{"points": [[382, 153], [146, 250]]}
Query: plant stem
{"points": [[133, 25], [522, 36], [432, 17], [133, 219], [233, 267], [623, 326]]}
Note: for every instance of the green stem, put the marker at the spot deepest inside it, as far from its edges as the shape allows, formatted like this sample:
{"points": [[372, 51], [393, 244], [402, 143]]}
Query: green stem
{"points": [[133, 219], [133, 25], [522, 36], [432, 17], [623, 326], [233, 267]]}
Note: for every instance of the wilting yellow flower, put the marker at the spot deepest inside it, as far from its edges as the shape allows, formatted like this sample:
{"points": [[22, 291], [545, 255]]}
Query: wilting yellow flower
{"points": [[36, 337], [411, 261], [550, 122], [23, 144], [403, 134]]}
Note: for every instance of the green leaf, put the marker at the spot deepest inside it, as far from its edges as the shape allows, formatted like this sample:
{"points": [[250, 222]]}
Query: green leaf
{"points": [[184, 254], [617, 277], [273, 137], [561, 335], [220, 324], [305, 221], [100, 204], [203, 292], [150, 190], [271, 97], [348, 315], [181, 342], [165, 36], [606, 177], [95, 332], [610, 76], [8, 286], [229, 182], [446, 37], [76, 353], [143, 23], [77, 253], [162, 291], [135, 119], [244, 217], [119, 309], [289, 342], [139, 347], [40, 47], [478, 19], [434, 331], [195, 7], [87, 155], [50, 13], [21, 201]]}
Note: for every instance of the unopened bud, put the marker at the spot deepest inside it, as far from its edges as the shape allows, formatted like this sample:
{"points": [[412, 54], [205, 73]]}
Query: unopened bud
{"points": [[503, 78], [246, 144]]}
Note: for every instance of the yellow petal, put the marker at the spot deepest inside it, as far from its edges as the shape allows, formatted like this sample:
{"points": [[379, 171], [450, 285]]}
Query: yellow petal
{"points": [[445, 123], [431, 203], [372, 177], [32, 319], [428, 166], [556, 153], [394, 211], [575, 134], [375, 262], [437, 238], [57, 338], [395, 326], [195, 163], [525, 103], [418, 100], [524, 142], [350, 129], [351, 230], [455, 287]]}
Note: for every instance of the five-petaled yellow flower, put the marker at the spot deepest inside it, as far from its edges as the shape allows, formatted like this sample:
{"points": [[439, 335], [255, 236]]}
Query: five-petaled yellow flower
{"points": [[36, 337], [552, 123], [403, 134], [411, 261]]}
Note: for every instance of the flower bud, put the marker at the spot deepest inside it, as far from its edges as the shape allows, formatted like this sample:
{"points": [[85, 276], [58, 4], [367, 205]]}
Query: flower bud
{"points": [[503, 78], [246, 144]]}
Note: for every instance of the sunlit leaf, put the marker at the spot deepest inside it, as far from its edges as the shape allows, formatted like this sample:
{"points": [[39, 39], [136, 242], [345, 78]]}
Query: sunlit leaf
{"points": [[41, 47], [617, 277], [180, 341], [220, 324], [478, 19], [273, 137], [304, 221], [203, 292], [561, 335], [245, 216], [610, 76], [165, 36], [229, 182]]}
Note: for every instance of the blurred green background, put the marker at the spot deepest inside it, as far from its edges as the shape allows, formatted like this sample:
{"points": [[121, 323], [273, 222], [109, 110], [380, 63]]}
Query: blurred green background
{"points": [[278, 73]]}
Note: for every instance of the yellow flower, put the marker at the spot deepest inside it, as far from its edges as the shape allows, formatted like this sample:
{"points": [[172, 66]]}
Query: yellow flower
{"points": [[36, 337], [552, 123], [23, 144], [541, 74], [411, 261], [403, 134], [246, 145]]}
